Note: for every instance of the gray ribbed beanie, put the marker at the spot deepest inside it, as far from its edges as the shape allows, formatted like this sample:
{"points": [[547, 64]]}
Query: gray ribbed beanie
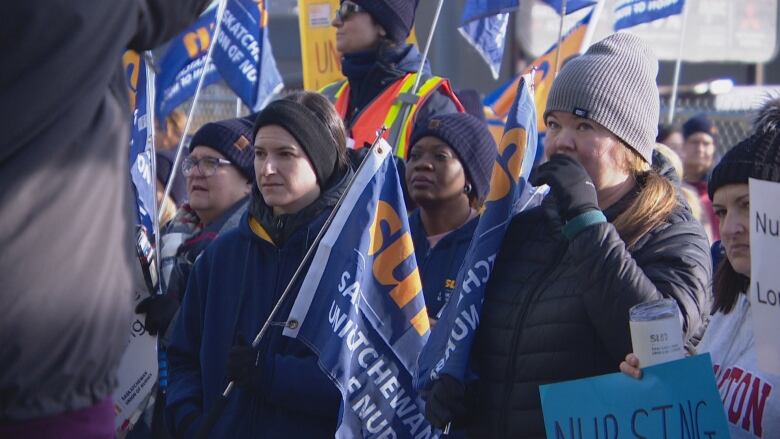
{"points": [[613, 83]]}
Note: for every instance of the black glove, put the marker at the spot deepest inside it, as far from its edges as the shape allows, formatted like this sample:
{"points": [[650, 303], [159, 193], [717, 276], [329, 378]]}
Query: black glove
{"points": [[159, 310], [446, 401], [241, 367], [570, 185]]}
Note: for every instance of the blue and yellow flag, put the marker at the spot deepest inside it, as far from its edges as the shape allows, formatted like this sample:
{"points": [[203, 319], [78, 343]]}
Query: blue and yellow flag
{"points": [[361, 307], [243, 53], [483, 25], [502, 99], [449, 346], [183, 63], [142, 173]]}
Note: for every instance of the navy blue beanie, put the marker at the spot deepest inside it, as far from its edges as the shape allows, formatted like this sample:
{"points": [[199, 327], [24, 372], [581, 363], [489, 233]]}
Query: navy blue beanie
{"points": [[395, 16], [698, 124], [233, 139], [471, 140]]}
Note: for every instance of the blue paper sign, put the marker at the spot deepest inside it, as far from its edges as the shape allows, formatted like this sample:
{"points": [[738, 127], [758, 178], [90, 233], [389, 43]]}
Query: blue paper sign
{"points": [[678, 399]]}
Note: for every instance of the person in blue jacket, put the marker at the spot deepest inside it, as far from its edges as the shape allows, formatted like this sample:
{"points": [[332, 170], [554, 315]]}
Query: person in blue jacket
{"points": [[448, 177], [301, 170]]}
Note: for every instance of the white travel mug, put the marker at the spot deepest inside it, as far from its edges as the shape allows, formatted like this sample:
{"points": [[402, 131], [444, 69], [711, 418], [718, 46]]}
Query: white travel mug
{"points": [[656, 332]]}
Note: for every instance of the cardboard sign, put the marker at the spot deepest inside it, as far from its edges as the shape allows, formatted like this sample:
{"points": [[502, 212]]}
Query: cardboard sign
{"points": [[764, 275], [137, 372], [321, 62], [672, 400]]}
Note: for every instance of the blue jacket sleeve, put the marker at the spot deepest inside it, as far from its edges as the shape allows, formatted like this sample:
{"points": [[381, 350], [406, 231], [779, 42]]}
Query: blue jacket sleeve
{"points": [[185, 391], [298, 384]]}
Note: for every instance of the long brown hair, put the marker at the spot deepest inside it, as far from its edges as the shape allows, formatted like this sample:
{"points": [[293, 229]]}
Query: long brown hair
{"points": [[728, 285], [656, 200]]}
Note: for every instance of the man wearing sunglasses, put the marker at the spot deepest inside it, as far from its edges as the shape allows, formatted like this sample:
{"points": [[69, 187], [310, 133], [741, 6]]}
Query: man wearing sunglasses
{"points": [[381, 70]]}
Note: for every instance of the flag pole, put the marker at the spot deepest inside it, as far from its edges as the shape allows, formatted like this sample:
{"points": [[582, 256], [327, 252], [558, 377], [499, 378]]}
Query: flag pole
{"points": [[219, 404], [594, 19], [677, 66], [410, 98], [220, 13], [560, 37], [427, 45]]}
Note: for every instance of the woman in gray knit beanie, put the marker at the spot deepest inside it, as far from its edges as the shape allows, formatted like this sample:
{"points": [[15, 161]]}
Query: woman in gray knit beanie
{"points": [[612, 233]]}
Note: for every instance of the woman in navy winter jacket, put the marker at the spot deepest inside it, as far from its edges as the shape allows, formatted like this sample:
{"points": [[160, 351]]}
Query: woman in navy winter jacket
{"points": [[448, 176], [301, 170]]}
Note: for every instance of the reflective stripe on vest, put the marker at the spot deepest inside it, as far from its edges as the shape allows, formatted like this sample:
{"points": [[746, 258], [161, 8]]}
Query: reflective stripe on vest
{"points": [[385, 109]]}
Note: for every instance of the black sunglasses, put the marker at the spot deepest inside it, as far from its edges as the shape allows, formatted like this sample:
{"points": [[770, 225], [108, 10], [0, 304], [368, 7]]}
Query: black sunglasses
{"points": [[347, 9]]}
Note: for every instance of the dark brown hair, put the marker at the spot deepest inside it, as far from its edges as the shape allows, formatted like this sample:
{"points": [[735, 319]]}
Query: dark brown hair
{"points": [[728, 285]]}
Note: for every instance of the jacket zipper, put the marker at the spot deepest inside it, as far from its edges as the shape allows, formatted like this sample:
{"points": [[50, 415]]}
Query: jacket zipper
{"points": [[533, 293]]}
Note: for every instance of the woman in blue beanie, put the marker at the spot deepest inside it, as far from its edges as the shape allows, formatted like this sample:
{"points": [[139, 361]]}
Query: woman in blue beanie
{"points": [[380, 67], [300, 170], [611, 233], [448, 177]]}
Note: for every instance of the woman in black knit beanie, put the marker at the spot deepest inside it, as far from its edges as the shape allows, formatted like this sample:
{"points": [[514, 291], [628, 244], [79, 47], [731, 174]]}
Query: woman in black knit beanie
{"points": [[750, 396]]}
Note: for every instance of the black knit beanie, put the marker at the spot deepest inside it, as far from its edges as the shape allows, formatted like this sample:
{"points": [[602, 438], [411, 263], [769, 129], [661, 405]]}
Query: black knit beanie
{"points": [[395, 16], [310, 132], [758, 156], [471, 140], [232, 138]]}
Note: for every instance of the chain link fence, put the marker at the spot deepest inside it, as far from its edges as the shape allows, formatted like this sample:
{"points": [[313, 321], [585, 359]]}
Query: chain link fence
{"points": [[732, 112]]}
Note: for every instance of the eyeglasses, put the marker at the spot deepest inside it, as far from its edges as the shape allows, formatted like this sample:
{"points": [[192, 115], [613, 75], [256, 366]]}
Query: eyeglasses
{"points": [[347, 9], [206, 165]]}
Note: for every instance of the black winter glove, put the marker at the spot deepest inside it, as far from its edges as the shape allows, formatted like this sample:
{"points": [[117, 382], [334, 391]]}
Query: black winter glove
{"points": [[570, 184], [446, 402], [241, 367], [159, 310]]}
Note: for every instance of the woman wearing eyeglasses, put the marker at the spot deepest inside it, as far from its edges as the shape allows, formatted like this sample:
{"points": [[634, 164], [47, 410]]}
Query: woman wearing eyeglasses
{"points": [[219, 171], [380, 67]]}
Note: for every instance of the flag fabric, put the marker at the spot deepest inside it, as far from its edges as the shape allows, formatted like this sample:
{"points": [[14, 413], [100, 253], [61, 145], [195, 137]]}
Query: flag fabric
{"points": [[449, 345], [243, 54], [181, 66], [361, 309], [141, 149], [573, 43], [483, 25], [571, 5], [630, 13]]}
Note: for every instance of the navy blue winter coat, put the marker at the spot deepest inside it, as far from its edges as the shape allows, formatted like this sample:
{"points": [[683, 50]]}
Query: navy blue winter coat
{"points": [[439, 265], [232, 289]]}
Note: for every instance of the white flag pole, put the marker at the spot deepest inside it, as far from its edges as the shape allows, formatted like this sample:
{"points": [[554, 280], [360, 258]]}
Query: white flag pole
{"points": [[201, 81], [677, 66]]}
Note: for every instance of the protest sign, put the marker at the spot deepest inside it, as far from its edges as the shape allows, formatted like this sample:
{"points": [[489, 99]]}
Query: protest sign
{"points": [[672, 400], [137, 371], [764, 276], [321, 62]]}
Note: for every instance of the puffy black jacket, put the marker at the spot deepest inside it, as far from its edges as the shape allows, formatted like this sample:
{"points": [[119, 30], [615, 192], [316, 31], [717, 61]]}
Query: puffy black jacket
{"points": [[557, 310]]}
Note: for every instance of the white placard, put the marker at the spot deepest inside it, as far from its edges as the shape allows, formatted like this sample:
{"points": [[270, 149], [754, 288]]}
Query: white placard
{"points": [[137, 371], [765, 272]]}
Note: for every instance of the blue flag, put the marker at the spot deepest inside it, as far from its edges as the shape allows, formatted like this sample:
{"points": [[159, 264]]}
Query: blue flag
{"points": [[141, 148], [361, 307], [449, 346], [571, 5], [483, 25], [182, 64], [630, 13], [243, 53]]}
